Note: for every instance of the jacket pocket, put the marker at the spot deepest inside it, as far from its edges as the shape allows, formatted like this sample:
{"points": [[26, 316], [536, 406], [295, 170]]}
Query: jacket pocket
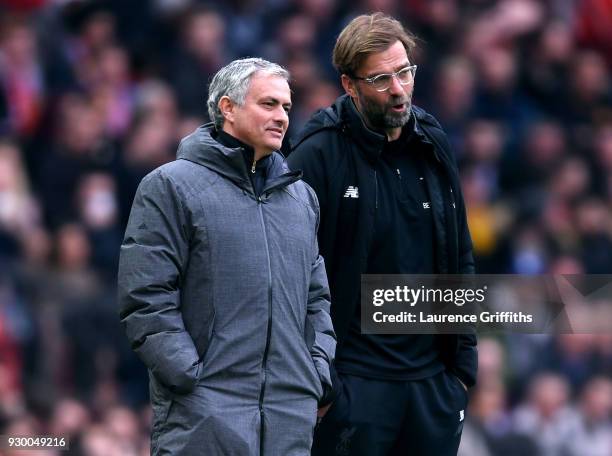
{"points": [[210, 334], [161, 404], [460, 390], [309, 340]]}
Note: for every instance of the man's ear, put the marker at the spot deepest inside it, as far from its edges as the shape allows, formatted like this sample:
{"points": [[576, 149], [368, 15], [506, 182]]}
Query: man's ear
{"points": [[227, 106], [349, 86]]}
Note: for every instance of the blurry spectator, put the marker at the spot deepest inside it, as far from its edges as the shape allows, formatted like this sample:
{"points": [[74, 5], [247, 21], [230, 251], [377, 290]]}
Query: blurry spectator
{"points": [[309, 90], [99, 213], [482, 149], [22, 85], [593, 30], [439, 21], [76, 280], [150, 144], [305, 73], [93, 28], [548, 65], [19, 211], [489, 221], [557, 222], [99, 441], [566, 264], [80, 146], [501, 23], [498, 96], [69, 419], [112, 90], [124, 425], [295, 34], [199, 54], [570, 179], [572, 356], [603, 160], [594, 223], [490, 424], [453, 97], [491, 361], [526, 170], [529, 253], [545, 417], [156, 99], [246, 26], [592, 433], [319, 95], [590, 91], [11, 361]]}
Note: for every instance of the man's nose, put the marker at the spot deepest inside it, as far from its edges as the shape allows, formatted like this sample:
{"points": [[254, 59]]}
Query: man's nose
{"points": [[281, 116], [396, 88]]}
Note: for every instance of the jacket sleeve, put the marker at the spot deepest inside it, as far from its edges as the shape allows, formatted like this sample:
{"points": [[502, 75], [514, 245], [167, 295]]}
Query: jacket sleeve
{"points": [[465, 363], [323, 348], [466, 360], [153, 257]]}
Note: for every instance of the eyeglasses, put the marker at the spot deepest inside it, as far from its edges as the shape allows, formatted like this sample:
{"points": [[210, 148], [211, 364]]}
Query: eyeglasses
{"points": [[382, 82]]}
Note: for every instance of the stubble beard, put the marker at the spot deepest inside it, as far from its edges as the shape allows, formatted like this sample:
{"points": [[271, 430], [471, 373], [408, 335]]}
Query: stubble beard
{"points": [[382, 117]]}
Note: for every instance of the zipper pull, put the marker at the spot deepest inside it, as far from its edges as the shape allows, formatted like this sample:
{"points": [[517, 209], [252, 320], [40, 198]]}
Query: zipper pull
{"points": [[398, 173], [253, 167]]}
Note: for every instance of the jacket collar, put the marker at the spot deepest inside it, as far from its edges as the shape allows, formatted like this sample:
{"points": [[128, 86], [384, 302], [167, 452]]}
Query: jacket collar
{"points": [[343, 115], [372, 142], [201, 148], [248, 152]]}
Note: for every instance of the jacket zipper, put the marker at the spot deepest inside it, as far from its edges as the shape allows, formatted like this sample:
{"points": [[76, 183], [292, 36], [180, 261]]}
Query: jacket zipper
{"points": [[264, 362], [375, 190], [253, 167]]}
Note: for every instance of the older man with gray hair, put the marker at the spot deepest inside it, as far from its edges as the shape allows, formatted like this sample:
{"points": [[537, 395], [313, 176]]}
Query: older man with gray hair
{"points": [[222, 291]]}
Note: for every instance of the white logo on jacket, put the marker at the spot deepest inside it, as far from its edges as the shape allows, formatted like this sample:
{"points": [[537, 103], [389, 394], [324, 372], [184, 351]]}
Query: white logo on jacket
{"points": [[351, 192]]}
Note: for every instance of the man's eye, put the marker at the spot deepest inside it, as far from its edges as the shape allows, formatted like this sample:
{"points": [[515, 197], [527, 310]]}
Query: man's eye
{"points": [[381, 79]]}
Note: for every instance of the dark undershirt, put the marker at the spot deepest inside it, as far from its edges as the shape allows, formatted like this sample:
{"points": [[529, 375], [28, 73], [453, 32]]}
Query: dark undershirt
{"points": [[258, 178], [402, 243]]}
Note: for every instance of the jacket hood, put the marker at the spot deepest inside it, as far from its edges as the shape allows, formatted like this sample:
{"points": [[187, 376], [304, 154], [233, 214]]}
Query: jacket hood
{"points": [[343, 115], [201, 148]]}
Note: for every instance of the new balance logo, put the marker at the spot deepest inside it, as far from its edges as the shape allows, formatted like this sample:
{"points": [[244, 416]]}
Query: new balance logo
{"points": [[426, 205], [351, 192]]}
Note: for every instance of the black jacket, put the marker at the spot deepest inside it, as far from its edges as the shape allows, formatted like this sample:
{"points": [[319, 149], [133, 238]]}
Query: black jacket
{"points": [[335, 151]]}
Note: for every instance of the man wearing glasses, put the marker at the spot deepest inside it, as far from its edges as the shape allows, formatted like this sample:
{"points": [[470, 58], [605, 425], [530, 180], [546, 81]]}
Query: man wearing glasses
{"points": [[390, 203]]}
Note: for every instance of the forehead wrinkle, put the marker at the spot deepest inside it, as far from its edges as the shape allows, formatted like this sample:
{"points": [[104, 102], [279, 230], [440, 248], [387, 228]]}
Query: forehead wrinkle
{"points": [[269, 87]]}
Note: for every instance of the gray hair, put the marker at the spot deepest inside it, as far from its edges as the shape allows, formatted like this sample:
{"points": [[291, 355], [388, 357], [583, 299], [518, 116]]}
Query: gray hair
{"points": [[233, 81]]}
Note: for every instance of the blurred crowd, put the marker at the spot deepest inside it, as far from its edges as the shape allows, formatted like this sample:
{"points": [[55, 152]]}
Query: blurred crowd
{"points": [[95, 94]]}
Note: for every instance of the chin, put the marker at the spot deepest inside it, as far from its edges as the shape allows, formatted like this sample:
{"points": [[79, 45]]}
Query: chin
{"points": [[276, 145]]}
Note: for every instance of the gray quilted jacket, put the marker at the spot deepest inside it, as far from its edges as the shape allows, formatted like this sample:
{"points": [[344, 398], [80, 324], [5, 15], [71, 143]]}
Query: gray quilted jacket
{"points": [[224, 297]]}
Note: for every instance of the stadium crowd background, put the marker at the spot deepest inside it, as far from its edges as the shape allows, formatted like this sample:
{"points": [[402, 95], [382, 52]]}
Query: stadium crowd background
{"points": [[94, 95]]}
